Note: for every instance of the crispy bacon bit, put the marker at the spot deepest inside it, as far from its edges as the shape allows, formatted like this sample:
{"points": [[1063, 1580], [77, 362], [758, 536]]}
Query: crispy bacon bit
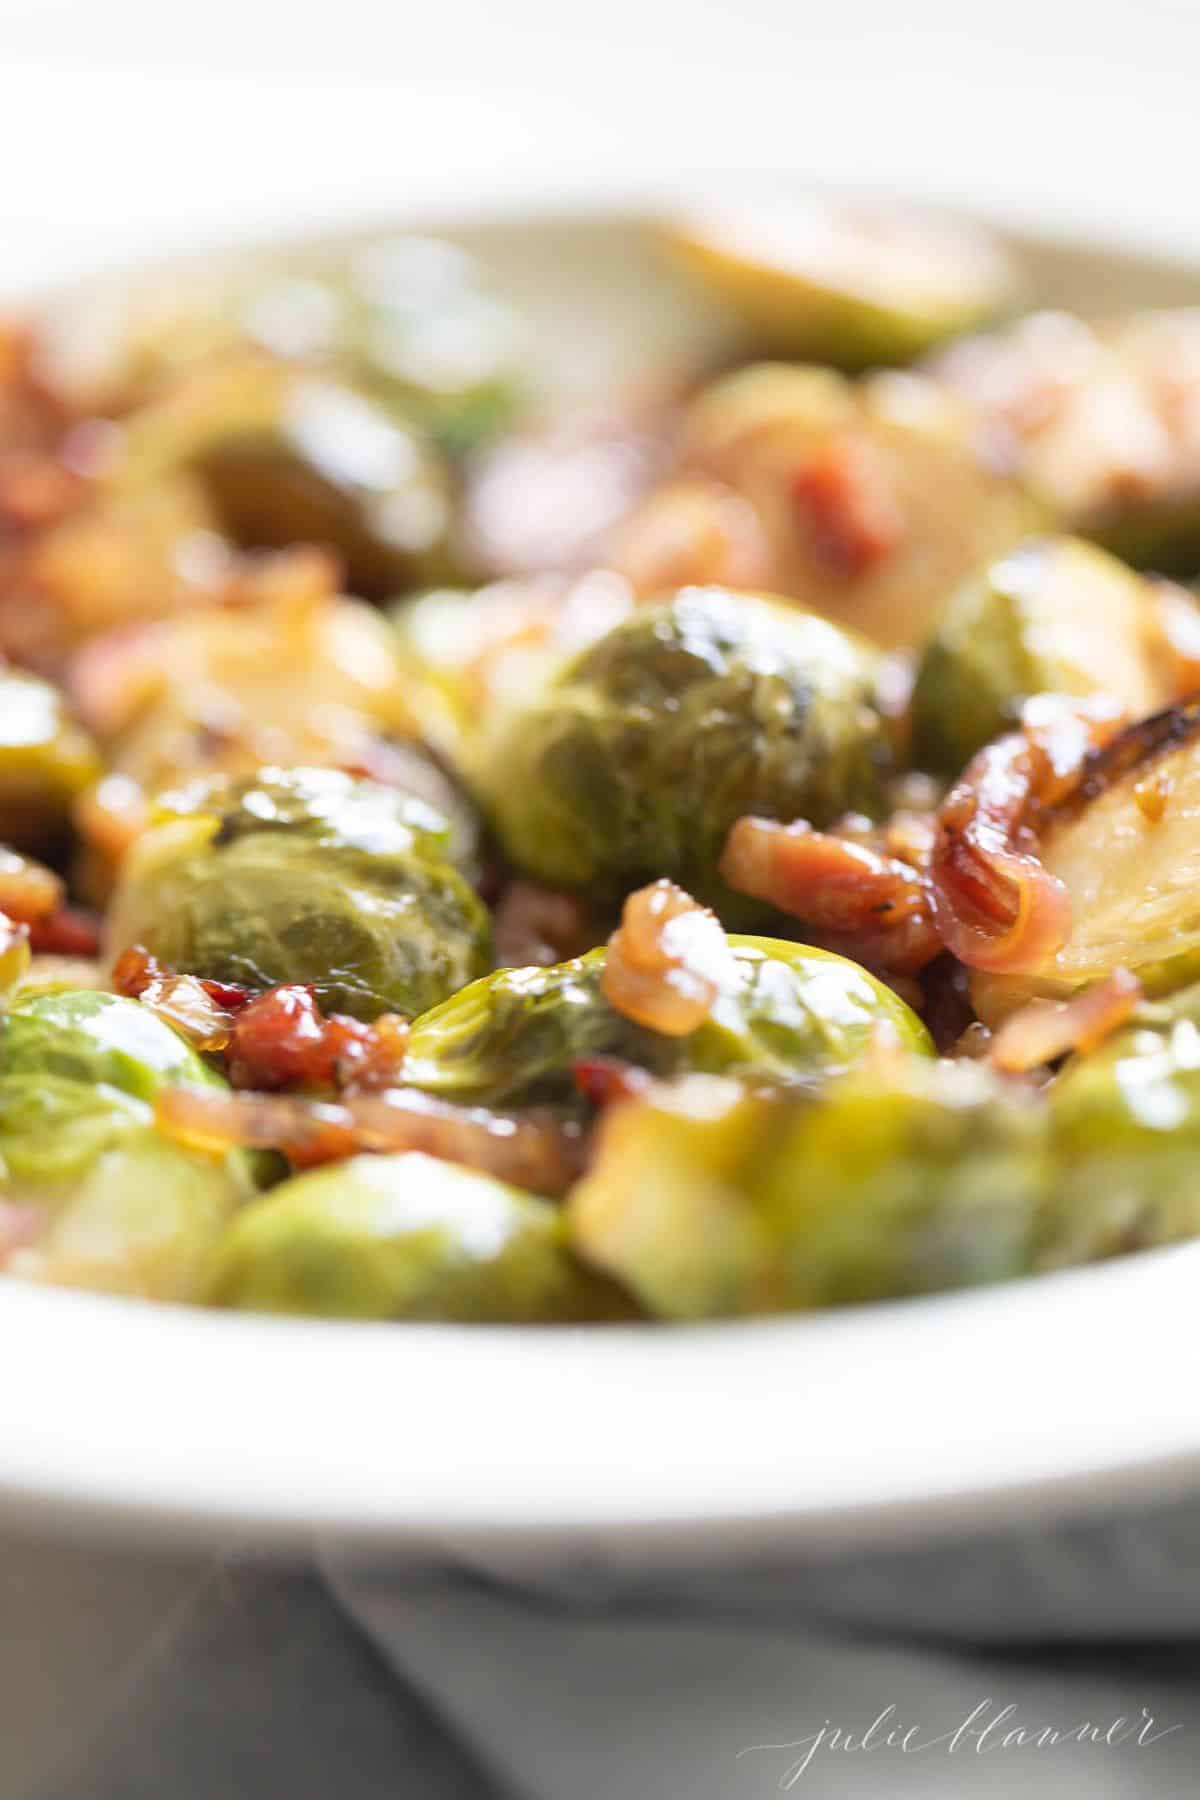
{"points": [[856, 895], [533, 1151], [539, 925], [846, 501], [277, 1039], [1045, 1030], [605, 1080], [668, 960], [995, 905], [282, 1039], [28, 890], [68, 931]]}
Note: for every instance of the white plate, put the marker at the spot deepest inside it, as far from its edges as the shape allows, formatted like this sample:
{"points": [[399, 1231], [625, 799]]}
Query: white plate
{"points": [[1072, 1390]]}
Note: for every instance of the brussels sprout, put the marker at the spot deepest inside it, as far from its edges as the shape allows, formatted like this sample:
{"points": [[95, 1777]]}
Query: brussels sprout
{"points": [[1104, 419], [91, 1037], [876, 499], [298, 675], [289, 456], [636, 758], [125, 557], [372, 918], [1126, 846], [906, 1179], [410, 319], [848, 283], [117, 1206], [468, 656], [320, 806], [407, 1237], [512, 1038], [1126, 1133], [46, 759], [1055, 616]]}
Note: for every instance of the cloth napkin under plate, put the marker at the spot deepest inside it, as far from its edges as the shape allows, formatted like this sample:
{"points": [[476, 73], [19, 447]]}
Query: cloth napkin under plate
{"points": [[1064, 1663]]}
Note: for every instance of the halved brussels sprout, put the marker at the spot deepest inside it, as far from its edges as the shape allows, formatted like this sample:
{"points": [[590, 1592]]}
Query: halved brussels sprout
{"points": [[46, 759], [298, 675], [113, 1204], [513, 1037], [1126, 846], [292, 456], [635, 760], [407, 1237], [373, 918], [1105, 420], [875, 498], [904, 1179], [1055, 616], [1126, 1132], [846, 282]]}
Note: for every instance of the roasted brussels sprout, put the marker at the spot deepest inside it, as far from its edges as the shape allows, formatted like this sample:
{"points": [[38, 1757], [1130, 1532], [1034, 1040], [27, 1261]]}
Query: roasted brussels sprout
{"points": [[1055, 616], [321, 806], [297, 674], [1104, 419], [469, 656], [97, 1038], [902, 1179], [1126, 1134], [105, 1200], [635, 760], [290, 456], [875, 498], [408, 318], [372, 916], [407, 1237], [513, 1037], [411, 319], [1126, 847], [119, 558], [46, 759], [845, 282]]}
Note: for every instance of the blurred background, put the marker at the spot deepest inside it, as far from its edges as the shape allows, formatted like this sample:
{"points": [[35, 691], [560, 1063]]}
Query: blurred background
{"points": [[128, 122]]}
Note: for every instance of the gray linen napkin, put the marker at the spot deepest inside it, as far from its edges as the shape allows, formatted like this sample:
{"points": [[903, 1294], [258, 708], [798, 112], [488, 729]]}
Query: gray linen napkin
{"points": [[1062, 1663]]}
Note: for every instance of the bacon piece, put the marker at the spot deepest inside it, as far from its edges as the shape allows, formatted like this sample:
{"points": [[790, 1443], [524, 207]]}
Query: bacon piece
{"points": [[605, 1080], [1044, 1030], [533, 1151], [668, 960], [282, 1039], [994, 903], [858, 898], [67, 931], [845, 499]]}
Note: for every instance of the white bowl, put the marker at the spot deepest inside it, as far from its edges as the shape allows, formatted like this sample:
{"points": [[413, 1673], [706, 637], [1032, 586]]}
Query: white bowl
{"points": [[1070, 1390]]}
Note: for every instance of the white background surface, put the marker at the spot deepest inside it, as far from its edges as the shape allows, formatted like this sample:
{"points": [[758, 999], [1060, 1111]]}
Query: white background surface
{"points": [[132, 125]]}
